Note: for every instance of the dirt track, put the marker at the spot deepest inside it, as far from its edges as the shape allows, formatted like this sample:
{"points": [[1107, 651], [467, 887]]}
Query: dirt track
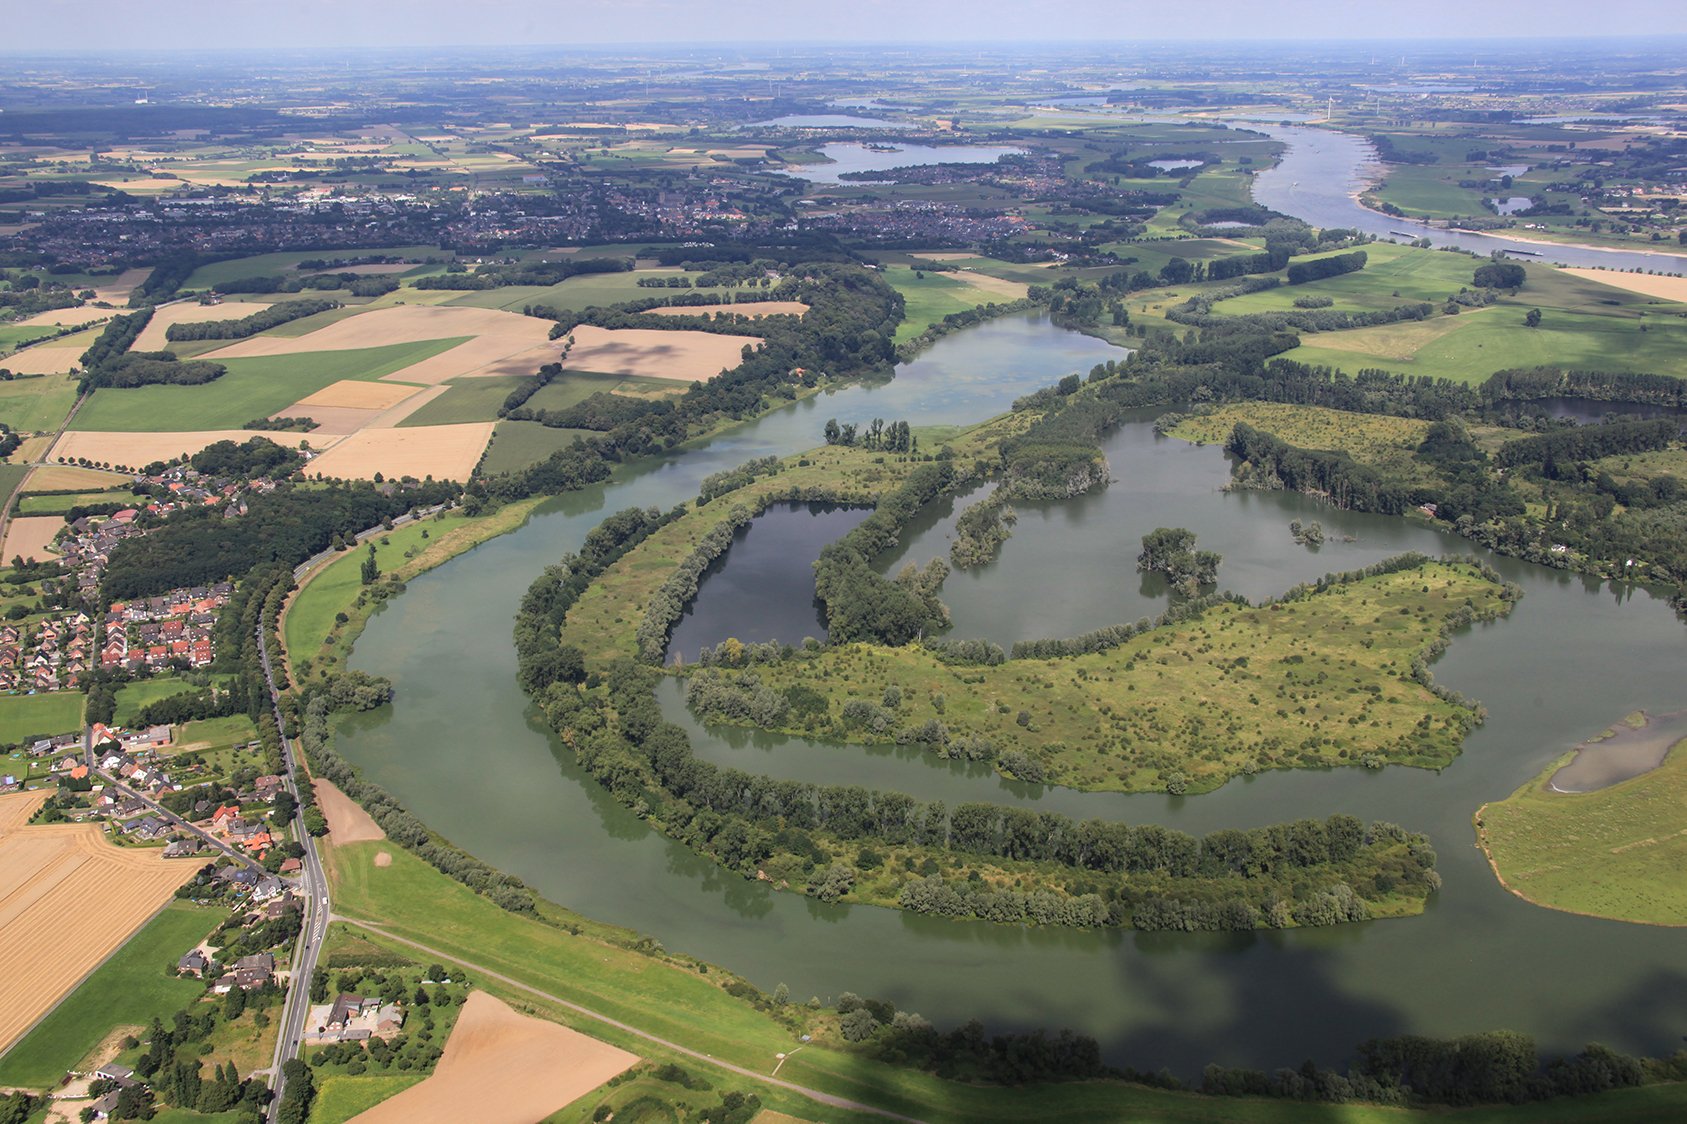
{"points": [[68, 899], [502, 1067]]}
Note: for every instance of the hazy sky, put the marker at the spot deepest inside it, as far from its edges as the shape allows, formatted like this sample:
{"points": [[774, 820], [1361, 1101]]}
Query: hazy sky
{"points": [[102, 24]]}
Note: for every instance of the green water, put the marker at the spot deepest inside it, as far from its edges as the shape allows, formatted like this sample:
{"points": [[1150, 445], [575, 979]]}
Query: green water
{"points": [[462, 750]]}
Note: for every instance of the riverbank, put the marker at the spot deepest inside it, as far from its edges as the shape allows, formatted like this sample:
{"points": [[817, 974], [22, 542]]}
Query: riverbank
{"points": [[1616, 853]]}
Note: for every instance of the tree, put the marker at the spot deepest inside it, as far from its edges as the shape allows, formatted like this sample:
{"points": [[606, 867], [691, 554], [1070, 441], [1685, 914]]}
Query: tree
{"points": [[1500, 275], [371, 568], [1533, 319]]}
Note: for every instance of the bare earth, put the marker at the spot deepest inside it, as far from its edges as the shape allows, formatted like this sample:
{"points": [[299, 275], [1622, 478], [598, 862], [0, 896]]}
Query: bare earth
{"points": [[655, 354], [137, 449], [29, 536], [152, 337], [116, 291], [68, 900], [64, 317], [494, 335], [744, 308], [1652, 285], [347, 821], [501, 1067], [445, 452], [331, 421]]}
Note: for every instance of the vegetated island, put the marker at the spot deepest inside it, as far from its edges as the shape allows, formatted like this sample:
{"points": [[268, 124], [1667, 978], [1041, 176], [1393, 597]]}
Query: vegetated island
{"points": [[1616, 852]]}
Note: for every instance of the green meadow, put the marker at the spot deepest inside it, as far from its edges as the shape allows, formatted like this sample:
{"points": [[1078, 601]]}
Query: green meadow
{"points": [[518, 444], [36, 404], [25, 716]]}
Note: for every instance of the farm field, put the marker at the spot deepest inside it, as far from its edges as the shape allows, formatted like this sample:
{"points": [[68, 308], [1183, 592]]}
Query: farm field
{"points": [[36, 405], [583, 291], [64, 887], [1393, 275], [252, 388], [935, 295], [1432, 191], [53, 357], [444, 452], [465, 400], [30, 536], [284, 263], [23, 716], [482, 340], [137, 449], [339, 1098], [11, 475], [16, 335], [66, 317], [1616, 852], [59, 504], [680, 356], [518, 444], [537, 1067], [62, 477], [347, 821], [745, 308], [155, 337], [1648, 284], [129, 989]]}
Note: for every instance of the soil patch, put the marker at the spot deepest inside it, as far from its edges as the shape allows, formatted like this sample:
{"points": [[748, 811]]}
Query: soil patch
{"points": [[652, 353], [64, 888], [29, 536], [331, 421], [347, 821], [445, 452], [384, 859], [358, 395], [502, 1067]]}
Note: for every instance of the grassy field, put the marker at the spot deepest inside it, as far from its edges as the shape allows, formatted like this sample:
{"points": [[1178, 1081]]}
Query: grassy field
{"points": [[252, 388], [310, 630], [130, 989], [1370, 438], [281, 264], [236, 729], [58, 505], [1393, 275], [518, 444], [1433, 191], [478, 399], [466, 400], [132, 696], [671, 998], [339, 1098], [37, 404], [933, 296], [573, 294], [57, 712], [1617, 852], [16, 335], [11, 475], [1318, 682]]}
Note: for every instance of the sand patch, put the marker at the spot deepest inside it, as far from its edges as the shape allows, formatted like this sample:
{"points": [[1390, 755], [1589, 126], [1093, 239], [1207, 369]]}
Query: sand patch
{"points": [[152, 337], [753, 309], [357, 395], [347, 821], [137, 449], [29, 536], [494, 335], [1648, 284], [384, 859], [445, 452], [63, 888], [653, 353], [65, 478], [501, 1067]]}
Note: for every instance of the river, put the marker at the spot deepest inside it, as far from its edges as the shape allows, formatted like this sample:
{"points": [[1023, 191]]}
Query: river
{"points": [[462, 750]]}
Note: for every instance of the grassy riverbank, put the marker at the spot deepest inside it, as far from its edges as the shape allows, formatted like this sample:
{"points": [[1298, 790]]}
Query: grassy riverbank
{"points": [[1617, 852], [1321, 681]]}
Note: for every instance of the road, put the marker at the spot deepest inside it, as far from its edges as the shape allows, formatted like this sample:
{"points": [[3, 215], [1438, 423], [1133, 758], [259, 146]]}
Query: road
{"points": [[173, 819], [830, 1099], [314, 886]]}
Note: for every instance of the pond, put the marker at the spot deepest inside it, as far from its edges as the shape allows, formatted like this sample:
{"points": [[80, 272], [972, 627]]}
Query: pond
{"points": [[463, 749], [1628, 751], [832, 121], [849, 156], [1511, 204]]}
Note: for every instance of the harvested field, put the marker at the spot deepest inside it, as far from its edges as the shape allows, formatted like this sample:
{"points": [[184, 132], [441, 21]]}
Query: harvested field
{"points": [[494, 335], [395, 415], [352, 394], [64, 478], [997, 286], [371, 270], [44, 359], [653, 353], [445, 452], [65, 317], [137, 449], [500, 1066], [331, 421], [347, 821], [116, 291], [64, 888], [152, 337], [1651, 285], [747, 308], [29, 536]]}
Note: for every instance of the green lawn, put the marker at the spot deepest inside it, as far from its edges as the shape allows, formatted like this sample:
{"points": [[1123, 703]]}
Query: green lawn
{"points": [[11, 475], [467, 400], [339, 1098], [131, 988], [131, 697], [1617, 852], [36, 404], [518, 444], [58, 505], [236, 729], [252, 388], [23, 716]]}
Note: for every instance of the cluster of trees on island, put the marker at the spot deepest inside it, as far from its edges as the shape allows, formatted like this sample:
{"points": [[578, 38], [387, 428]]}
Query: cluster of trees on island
{"points": [[1171, 551]]}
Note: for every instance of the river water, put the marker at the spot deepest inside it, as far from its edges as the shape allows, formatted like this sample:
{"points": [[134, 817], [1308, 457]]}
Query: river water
{"points": [[463, 750]]}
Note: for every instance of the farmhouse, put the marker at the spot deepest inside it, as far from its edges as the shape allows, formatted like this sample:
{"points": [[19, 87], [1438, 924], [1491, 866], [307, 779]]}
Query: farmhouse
{"points": [[353, 1018]]}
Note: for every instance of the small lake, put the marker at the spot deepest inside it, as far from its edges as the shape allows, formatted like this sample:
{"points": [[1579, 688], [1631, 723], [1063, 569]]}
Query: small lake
{"points": [[1512, 204], [831, 121], [1512, 170], [850, 156], [762, 588], [1175, 165], [1628, 752]]}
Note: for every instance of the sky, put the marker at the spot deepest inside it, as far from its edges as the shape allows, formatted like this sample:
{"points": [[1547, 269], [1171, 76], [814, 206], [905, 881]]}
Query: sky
{"points": [[85, 25]]}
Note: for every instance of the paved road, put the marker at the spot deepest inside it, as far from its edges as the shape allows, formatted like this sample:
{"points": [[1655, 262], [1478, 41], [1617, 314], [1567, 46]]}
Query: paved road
{"points": [[812, 1094], [177, 821], [314, 886]]}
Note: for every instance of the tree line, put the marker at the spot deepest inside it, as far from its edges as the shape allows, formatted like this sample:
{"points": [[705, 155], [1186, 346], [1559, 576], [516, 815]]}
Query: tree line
{"points": [[275, 315]]}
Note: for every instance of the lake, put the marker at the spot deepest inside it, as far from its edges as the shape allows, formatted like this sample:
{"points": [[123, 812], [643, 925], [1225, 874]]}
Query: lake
{"points": [[850, 156]]}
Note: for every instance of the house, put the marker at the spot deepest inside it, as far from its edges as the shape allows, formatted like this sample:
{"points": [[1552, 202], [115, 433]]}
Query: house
{"points": [[291, 866], [104, 1107], [121, 1074], [181, 848], [194, 963]]}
